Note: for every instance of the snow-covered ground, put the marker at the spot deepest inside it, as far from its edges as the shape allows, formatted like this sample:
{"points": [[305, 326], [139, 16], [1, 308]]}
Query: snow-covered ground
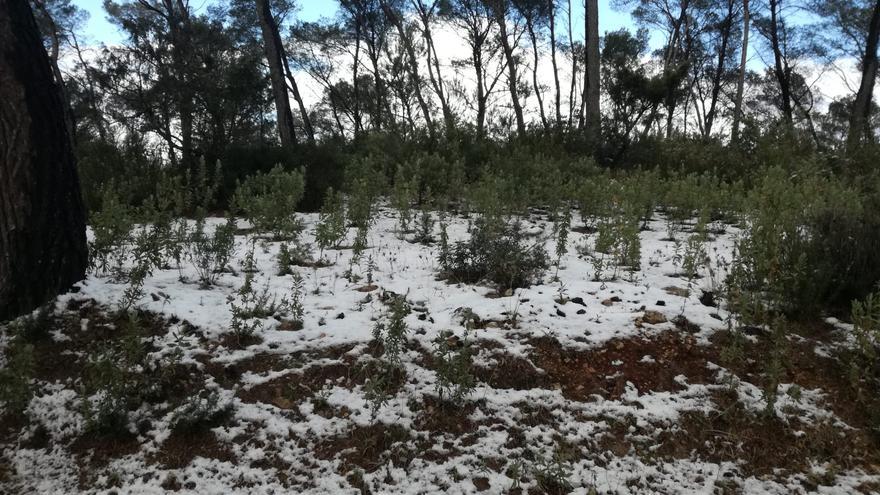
{"points": [[504, 438]]}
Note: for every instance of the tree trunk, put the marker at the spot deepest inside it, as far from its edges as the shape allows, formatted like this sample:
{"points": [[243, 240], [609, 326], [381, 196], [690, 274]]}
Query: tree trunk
{"points": [[412, 64], [551, 8], [533, 36], [274, 55], [719, 70], [779, 66], [591, 79], [433, 64], [574, 70], [740, 83], [303, 111], [512, 78], [42, 221], [861, 112]]}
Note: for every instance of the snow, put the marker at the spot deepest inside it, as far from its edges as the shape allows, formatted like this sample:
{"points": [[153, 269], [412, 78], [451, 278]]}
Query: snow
{"points": [[411, 269]]}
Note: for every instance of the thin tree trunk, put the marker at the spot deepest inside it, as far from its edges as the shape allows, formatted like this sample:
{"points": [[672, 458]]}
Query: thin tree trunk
{"points": [[433, 64], [719, 70], [411, 64], [274, 51], [780, 69], [512, 77], [534, 39], [574, 70], [591, 80], [297, 97], [861, 112], [551, 6], [741, 79], [42, 220]]}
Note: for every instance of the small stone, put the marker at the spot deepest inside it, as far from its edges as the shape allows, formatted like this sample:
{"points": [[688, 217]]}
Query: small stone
{"points": [[560, 313], [582, 311], [661, 303], [578, 300], [340, 316]]}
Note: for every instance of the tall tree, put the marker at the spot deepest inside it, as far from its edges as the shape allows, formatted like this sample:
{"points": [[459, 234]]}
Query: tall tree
{"points": [[394, 15], [42, 220], [591, 74], [741, 76], [773, 29], [501, 11], [274, 56], [861, 112]]}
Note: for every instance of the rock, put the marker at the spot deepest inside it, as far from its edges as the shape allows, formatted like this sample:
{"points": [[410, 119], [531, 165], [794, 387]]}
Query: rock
{"points": [[661, 303], [708, 299], [367, 288], [652, 318], [340, 316], [579, 300], [676, 291], [610, 301], [582, 311], [560, 313]]}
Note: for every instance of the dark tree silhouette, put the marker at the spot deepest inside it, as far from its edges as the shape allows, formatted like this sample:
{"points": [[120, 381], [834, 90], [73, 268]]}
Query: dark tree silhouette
{"points": [[42, 220]]}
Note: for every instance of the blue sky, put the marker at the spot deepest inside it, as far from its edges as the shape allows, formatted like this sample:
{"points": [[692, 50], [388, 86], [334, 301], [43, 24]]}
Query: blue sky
{"points": [[99, 30]]}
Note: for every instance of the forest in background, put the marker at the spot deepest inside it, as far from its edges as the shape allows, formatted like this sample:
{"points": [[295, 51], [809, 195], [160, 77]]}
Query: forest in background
{"points": [[224, 84]]}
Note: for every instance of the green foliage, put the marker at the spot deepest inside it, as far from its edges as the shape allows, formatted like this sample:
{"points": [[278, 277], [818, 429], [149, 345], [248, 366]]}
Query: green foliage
{"points": [[210, 253], [863, 364], [111, 228], [390, 333], [33, 327], [200, 412], [116, 379], [331, 229], [453, 359], [781, 261], [553, 474], [16, 387], [497, 253], [268, 201]]}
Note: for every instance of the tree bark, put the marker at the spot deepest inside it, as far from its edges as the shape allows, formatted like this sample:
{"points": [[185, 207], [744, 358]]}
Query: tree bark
{"points": [[719, 69], [574, 70], [512, 77], [274, 51], [533, 36], [861, 112], [591, 79], [779, 66], [42, 220], [551, 7], [740, 83], [412, 64]]}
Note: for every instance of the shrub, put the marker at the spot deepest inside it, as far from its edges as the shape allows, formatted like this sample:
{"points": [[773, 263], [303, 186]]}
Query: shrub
{"points": [[384, 375], [199, 412], [111, 229], [497, 253], [331, 229], [268, 201], [33, 327], [16, 388], [453, 359], [787, 260], [210, 254]]}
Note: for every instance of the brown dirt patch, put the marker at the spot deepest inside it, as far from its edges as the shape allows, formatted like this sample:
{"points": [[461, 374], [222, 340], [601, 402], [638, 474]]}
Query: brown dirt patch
{"points": [[180, 449], [369, 447], [606, 370]]}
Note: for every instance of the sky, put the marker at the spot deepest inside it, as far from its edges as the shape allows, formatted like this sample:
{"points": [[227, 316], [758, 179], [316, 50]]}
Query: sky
{"points": [[99, 30]]}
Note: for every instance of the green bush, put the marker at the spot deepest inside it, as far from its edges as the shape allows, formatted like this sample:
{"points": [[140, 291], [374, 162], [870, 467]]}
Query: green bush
{"points": [[497, 253], [268, 201], [453, 359], [16, 388], [210, 253]]}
